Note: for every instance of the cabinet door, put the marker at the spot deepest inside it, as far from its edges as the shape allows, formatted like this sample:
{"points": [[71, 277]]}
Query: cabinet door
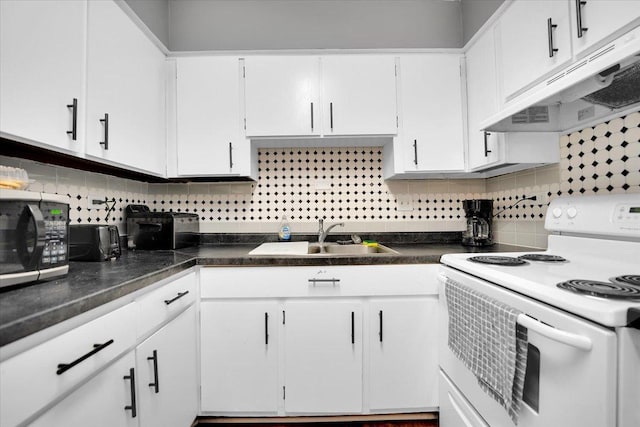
{"points": [[482, 102], [126, 88], [42, 71], [403, 372], [239, 356], [431, 113], [323, 356], [166, 364], [528, 43], [600, 19], [105, 401], [209, 140], [282, 95], [359, 95]]}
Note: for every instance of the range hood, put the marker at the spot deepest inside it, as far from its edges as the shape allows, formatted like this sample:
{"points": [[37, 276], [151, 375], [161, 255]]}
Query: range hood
{"points": [[595, 87]]}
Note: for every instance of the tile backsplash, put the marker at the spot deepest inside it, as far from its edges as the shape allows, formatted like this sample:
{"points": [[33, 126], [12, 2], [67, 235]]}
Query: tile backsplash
{"points": [[346, 184]]}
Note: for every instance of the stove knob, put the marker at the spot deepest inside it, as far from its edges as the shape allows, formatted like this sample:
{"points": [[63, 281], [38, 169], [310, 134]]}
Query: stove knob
{"points": [[557, 212], [572, 212]]}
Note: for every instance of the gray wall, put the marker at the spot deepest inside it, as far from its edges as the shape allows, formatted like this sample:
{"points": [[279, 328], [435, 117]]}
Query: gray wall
{"points": [[155, 14], [474, 14], [313, 24]]}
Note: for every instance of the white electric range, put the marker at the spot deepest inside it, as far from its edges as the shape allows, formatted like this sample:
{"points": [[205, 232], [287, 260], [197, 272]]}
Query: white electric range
{"points": [[580, 304]]}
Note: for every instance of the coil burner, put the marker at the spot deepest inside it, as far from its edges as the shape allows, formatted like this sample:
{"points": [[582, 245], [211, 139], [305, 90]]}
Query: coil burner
{"points": [[627, 279], [601, 289], [498, 260], [542, 257]]}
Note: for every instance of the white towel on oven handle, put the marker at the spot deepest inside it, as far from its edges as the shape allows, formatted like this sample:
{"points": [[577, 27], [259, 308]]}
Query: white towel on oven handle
{"points": [[485, 336]]}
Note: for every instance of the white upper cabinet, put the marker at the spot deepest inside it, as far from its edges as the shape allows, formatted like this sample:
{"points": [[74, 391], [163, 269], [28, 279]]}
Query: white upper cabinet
{"points": [[126, 92], [282, 95], [332, 95], [533, 40], [42, 72], [209, 133], [596, 20], [430, 97], [482, 101], [359, 95]]}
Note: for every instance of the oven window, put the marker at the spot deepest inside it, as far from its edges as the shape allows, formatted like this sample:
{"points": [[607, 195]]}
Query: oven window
{"points": [[531, 393]]}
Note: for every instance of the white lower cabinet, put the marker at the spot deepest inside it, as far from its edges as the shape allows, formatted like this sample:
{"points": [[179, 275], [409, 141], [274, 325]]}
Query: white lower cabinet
{"points": [[403, 373], [107, 400], [305, 340], [167, 375], [323, 356], [239, 367]]}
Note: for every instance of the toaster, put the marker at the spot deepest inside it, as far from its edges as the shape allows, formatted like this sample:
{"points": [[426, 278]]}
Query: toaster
{"points": [[92, 242]]}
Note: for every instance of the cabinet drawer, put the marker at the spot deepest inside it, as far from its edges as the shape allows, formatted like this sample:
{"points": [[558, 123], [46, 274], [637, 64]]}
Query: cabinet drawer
{"points": [[32, 379], [159, 305], [321, 281]]}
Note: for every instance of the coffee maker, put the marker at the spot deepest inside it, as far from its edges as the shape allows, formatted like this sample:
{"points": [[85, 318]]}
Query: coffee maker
{"points": [[479, 213]]}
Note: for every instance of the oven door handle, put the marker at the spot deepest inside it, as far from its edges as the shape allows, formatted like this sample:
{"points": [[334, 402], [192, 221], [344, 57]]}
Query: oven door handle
{"points": [[573, 340]]}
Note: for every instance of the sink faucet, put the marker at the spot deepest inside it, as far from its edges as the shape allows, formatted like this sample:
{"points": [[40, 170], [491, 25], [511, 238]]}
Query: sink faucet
{"points": [[322, 233]]}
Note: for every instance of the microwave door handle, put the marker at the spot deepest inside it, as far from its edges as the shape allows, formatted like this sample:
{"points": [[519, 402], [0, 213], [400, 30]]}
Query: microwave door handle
{"points": [[30, 261], [573, 340]]}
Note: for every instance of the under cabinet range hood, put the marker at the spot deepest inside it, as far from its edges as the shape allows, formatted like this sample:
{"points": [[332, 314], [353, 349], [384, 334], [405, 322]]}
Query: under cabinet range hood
{"points": [[595, 87]]}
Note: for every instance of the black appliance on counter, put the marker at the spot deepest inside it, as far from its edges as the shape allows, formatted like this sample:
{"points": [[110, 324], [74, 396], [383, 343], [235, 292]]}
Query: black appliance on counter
{"points": [[479, 214], [34, 230], [160, 230], [93, 242]]}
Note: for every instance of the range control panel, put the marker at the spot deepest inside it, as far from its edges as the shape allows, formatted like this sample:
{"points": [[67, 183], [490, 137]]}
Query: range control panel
{"points": [[607, 215]]}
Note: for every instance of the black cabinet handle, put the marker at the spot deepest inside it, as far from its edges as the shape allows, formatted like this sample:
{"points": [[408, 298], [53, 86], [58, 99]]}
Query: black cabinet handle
{"points": [[312, 117], [230, 156], [155, 384], [266, 328], [74, 117], [550, 27], [415, 152], [581, 29], [64, 367], [353, 328], [486, 144], [331, 115], [106, 131], [132, 378], [176, 298], [380, 318]]}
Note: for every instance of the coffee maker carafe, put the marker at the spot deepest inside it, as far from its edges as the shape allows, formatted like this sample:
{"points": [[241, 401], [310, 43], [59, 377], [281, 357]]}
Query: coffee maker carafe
{"points": [[479, 214]]}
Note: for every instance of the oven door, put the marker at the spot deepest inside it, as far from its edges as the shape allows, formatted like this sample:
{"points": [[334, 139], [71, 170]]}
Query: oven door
{"points": [[571, 364]]}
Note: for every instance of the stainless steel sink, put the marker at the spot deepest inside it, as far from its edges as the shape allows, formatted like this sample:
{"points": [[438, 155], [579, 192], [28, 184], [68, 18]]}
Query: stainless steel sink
{"points": [[353, 250]]}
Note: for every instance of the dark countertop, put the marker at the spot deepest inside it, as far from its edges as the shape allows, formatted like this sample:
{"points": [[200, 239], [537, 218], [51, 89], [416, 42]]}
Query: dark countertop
{"points": [[29, 309]]}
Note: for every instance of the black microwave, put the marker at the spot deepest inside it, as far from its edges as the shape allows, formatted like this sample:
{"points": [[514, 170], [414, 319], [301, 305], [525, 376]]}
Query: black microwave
{"points": [[34, 233]]}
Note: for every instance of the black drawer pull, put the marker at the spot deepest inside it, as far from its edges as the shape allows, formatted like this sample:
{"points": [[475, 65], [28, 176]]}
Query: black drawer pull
{"points": [[581, 29], [550, 27], [64, 367], [380, 316], [155, 384], [334, 282], [105, 121], [74, 115], [353, 328], [177, 297], [486, 142], [266, 328], [132, 377]]}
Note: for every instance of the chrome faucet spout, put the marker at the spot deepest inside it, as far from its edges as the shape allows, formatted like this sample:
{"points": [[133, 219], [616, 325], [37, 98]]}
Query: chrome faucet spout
{"points": [[322, 233]]}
